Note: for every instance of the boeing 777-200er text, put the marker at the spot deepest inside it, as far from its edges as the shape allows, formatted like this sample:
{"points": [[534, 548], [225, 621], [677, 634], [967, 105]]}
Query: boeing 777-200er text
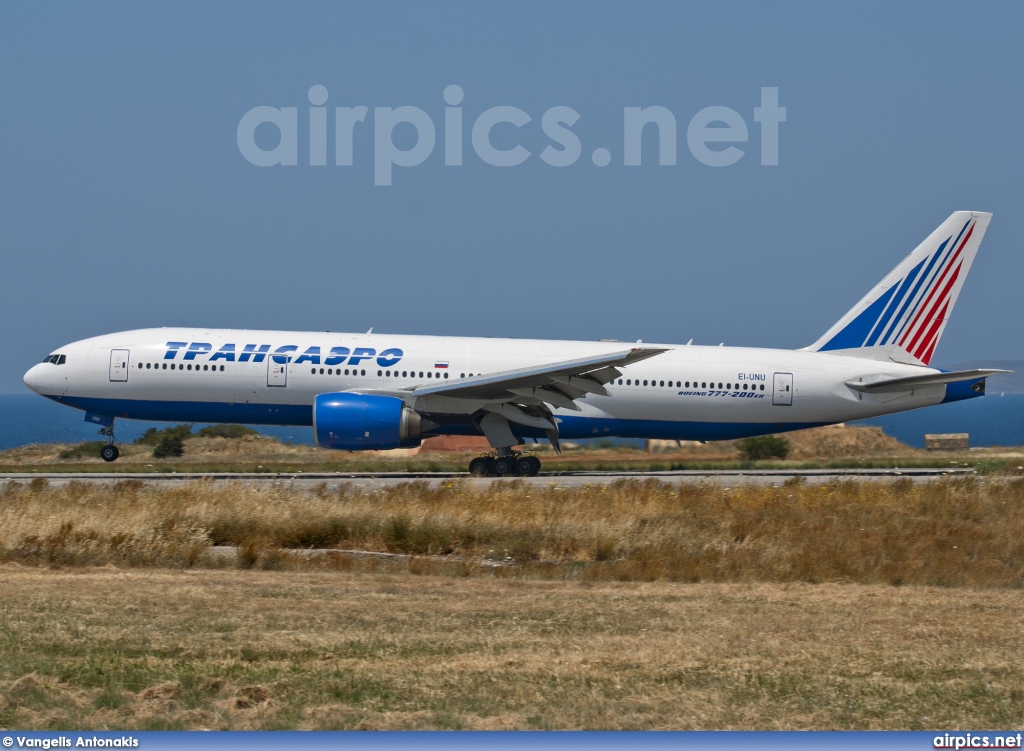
{"points": [[373, 391]]}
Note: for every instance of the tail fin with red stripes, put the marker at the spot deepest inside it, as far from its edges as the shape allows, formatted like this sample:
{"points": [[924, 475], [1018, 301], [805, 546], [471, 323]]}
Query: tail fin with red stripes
{"points": [[904, 316]]}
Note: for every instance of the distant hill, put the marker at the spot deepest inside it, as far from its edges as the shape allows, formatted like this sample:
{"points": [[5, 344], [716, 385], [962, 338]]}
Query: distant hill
{"points": [[1010, 383]]}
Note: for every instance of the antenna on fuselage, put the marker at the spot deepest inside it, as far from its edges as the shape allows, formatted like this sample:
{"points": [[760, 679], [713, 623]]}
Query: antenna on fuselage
{"points": [[370, 331]]}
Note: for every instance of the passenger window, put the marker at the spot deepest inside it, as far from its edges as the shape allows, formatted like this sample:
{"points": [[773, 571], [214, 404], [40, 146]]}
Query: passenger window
{"points": [[762, 387], [221, 368], [140, 366], [363, 373], [445, 375], [164, 367], [744, 387], [148, 366], [663, 383], [703, 385], [428, 374], [421, 374]]}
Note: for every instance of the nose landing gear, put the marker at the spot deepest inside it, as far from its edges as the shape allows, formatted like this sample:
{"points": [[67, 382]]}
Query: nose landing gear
{"points": [[109, 452], [507, 464]]}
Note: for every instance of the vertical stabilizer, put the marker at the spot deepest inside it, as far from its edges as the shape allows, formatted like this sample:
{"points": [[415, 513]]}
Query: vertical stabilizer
{"points": [[904, 316]]}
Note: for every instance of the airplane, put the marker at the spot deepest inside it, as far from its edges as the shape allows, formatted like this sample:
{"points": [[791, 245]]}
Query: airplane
{"points": [[376, 392]]}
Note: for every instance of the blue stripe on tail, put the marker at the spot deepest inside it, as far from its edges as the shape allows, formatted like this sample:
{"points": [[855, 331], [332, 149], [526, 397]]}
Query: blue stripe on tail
{"points": [[913, 293], [899, 299], [857, 330]]}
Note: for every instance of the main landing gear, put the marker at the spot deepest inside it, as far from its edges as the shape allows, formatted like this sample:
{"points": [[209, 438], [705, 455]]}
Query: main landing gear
{"points": [[506, 463], [109, 452]]}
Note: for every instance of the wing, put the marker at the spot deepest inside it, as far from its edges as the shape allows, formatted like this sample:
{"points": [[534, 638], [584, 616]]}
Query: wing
{"points": [[573, 377], [525, 396]]}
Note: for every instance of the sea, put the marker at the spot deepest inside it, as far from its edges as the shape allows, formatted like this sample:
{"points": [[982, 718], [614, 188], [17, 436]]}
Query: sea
{"points": [[992, 420], [30, 418]]}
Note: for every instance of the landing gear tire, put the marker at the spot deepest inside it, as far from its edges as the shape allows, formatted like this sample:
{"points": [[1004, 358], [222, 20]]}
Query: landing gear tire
{"points": [[479, 467], [109, 453], [504, 466], [527, 466]]}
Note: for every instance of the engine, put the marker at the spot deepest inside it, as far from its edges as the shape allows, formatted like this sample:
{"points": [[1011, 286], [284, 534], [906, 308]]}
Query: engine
{"points": [[357, 422]]}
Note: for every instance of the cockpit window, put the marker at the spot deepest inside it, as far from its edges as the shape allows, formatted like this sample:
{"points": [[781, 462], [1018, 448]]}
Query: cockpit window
{"points": [[55, 359], [61, 359]]}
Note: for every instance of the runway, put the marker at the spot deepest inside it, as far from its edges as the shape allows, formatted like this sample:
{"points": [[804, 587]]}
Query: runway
{"points": [[377, 481]]}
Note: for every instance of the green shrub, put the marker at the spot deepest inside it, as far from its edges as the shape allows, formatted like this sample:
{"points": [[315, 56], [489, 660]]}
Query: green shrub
{"points": [[763, 447], [226, 431], [153, 437], [170, 445], [84, 450]]}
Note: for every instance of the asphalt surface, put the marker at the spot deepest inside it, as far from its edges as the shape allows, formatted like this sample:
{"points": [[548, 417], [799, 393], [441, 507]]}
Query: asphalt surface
{"points": [[375, 481]]}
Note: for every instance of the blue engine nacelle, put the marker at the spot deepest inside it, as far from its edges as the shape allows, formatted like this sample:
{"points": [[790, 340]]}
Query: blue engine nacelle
{"points": [[357, 422]]}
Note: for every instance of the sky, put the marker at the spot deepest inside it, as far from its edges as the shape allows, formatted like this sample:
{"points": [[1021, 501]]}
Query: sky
{"points": [[129, 196]]}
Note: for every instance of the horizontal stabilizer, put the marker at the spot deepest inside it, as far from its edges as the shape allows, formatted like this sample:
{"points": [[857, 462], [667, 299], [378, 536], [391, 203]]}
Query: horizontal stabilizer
{"points": [[894, 385]]}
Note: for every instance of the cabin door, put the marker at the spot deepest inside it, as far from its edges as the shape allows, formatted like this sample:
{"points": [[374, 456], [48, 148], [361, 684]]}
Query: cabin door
{"points": [[277, 373], [782, 393], [118, 365]]}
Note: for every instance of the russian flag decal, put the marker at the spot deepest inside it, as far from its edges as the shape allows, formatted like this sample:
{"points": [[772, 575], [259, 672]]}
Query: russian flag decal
{"points": [[442, 365]]}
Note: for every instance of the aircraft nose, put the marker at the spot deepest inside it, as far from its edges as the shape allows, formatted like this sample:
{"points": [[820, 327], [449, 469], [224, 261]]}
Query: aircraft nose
{"points": [[34, 378]]}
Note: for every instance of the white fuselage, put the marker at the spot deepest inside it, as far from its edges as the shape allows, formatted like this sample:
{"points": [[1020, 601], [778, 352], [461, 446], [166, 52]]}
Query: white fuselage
{"points": [[273, 377]]}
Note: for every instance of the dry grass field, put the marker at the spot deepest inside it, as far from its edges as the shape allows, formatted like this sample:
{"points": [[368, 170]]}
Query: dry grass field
{"points": [[632, 605], [828, 447], [158, 649], [955, 532]]}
